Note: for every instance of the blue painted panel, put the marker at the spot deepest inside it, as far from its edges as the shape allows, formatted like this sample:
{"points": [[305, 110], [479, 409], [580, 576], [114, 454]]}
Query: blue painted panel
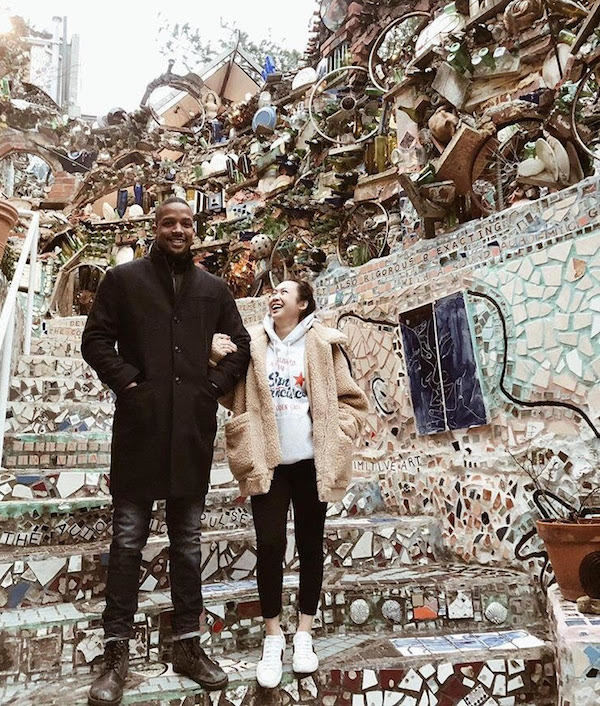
{"points": [[420, 351], [463, 396]]}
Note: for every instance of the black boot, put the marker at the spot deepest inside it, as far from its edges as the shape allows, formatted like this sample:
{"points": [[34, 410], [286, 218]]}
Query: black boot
{"points": [[107, 689], [192, 661]]}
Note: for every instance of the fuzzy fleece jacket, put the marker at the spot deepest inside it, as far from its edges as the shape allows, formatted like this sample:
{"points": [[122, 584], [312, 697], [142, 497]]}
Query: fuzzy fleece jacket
{"points": [[287, 381], [337, 407]]}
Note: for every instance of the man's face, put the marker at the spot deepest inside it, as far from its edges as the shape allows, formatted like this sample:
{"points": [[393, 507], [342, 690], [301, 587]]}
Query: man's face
{"points": [[175, 229]]}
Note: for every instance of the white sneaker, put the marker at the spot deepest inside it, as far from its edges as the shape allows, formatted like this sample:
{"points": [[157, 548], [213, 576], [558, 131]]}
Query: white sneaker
{"points": [[305, 660], [270, 667]]}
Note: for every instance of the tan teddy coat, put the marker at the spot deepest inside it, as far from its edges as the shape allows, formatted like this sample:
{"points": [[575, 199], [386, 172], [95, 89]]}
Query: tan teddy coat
{"points": [[337, 407]]}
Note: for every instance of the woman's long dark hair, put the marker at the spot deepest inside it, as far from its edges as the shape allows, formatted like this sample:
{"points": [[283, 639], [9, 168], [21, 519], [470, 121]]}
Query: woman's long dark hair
{"points": [[306, 294]]}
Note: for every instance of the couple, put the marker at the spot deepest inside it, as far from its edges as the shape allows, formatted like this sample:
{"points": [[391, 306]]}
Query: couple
{"points": [[180, 346]]}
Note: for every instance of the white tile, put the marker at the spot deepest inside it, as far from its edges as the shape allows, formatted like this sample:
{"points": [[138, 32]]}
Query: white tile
{"points": [[69, 483], [46, 569], [375, 698], [369, 679], [412, 681], [363, 549]]}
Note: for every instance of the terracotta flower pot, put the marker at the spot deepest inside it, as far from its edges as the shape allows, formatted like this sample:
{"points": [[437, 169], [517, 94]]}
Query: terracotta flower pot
{"points": [[567, 543], [8, 217]]}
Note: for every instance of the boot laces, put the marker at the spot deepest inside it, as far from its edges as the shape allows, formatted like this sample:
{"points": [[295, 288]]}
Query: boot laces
{"points": [[114, 653]]}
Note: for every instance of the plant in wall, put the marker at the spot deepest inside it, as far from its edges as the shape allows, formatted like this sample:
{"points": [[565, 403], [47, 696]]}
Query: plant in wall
{"points": [[569, 528]]}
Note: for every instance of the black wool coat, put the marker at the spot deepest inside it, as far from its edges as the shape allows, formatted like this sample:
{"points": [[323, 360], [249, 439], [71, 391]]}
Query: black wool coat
{"points": [[164, 428]]}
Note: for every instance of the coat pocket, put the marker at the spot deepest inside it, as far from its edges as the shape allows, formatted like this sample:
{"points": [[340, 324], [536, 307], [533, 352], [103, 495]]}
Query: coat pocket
{"points": [[348, 424], [343, 459], [238, 446]]}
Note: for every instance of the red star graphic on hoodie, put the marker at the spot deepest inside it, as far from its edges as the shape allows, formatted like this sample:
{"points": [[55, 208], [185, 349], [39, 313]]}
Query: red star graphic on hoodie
{"points": [[300, 379]]}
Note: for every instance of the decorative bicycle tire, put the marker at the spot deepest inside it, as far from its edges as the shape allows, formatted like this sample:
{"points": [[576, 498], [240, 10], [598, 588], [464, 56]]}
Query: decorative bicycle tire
{"points": [[394, 49], [347, 110], [495, 166], [364, 235], [585, 111]]}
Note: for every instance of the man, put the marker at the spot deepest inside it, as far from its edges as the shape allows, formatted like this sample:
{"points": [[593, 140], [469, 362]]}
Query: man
{"points": [[162, 313]]}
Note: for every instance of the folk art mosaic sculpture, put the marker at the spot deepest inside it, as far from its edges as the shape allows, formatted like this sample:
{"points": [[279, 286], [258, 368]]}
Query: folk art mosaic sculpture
{"points": [[435, 172]]}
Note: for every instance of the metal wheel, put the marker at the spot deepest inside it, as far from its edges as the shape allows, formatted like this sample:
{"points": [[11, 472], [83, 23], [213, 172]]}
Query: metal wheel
{"points": [[585, 111], [364, 234], [394, 49], [495, 167], [344, 108]]}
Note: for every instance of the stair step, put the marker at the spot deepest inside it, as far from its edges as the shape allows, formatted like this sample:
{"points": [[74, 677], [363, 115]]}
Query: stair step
{"points": [[37, 575], [426, 595], [51, 521], [23, 488], [54, 508], [86, 415], [487, 669], [44, 417], [69, 326]]}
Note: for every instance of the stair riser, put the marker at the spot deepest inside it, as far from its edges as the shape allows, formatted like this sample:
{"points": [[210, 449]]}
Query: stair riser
{"points": [[52, 417], [71, 575], [90, 415], [53, 367], [41, 390], [57, 451], [56, 347], [82, 525], [88, 450]]}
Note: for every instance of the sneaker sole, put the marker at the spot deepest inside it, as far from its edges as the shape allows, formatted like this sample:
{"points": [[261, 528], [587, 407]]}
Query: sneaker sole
{"points": [[270, 686]]}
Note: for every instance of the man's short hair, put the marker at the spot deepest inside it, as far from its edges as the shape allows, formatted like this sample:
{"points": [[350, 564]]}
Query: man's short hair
{"points": [[166, 202]]}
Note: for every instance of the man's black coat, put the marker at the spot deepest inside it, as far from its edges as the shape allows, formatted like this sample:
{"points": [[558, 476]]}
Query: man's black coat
{"points": [[164, 428]]}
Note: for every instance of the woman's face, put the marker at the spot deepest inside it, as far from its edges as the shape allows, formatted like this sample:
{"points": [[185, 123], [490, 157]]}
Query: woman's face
{"points": [[284, 305]]}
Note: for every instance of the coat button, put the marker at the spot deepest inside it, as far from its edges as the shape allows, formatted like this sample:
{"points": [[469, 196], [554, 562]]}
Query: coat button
{"points": [[177, 380], [177, 349], [176, 319]]}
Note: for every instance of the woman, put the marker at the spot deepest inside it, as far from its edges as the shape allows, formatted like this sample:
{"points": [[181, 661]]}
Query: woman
{"points": [[295, 417]]}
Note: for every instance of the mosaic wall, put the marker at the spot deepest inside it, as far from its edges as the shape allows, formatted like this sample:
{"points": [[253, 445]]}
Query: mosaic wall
{"points": [[538, 269]]}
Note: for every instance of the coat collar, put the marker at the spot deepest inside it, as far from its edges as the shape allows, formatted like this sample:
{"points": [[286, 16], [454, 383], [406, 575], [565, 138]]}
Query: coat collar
{"points": [[163, 267], [318, 335]]}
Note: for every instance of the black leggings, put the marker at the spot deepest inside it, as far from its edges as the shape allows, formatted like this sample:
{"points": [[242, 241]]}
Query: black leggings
{"points": [[296, 482]]}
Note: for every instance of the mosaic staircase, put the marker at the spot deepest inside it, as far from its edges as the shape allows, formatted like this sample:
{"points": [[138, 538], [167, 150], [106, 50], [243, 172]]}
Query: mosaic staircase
{"points": [[400, 622]]}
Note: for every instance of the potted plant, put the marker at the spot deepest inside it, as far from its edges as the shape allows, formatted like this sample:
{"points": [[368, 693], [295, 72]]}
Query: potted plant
{"points": [[571, 534]]}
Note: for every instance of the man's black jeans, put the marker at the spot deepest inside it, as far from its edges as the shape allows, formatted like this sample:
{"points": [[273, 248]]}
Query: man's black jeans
{"points": [[131, 525]]}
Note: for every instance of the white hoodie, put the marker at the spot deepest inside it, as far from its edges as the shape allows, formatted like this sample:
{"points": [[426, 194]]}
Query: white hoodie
{"points": [[286, 372]]}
